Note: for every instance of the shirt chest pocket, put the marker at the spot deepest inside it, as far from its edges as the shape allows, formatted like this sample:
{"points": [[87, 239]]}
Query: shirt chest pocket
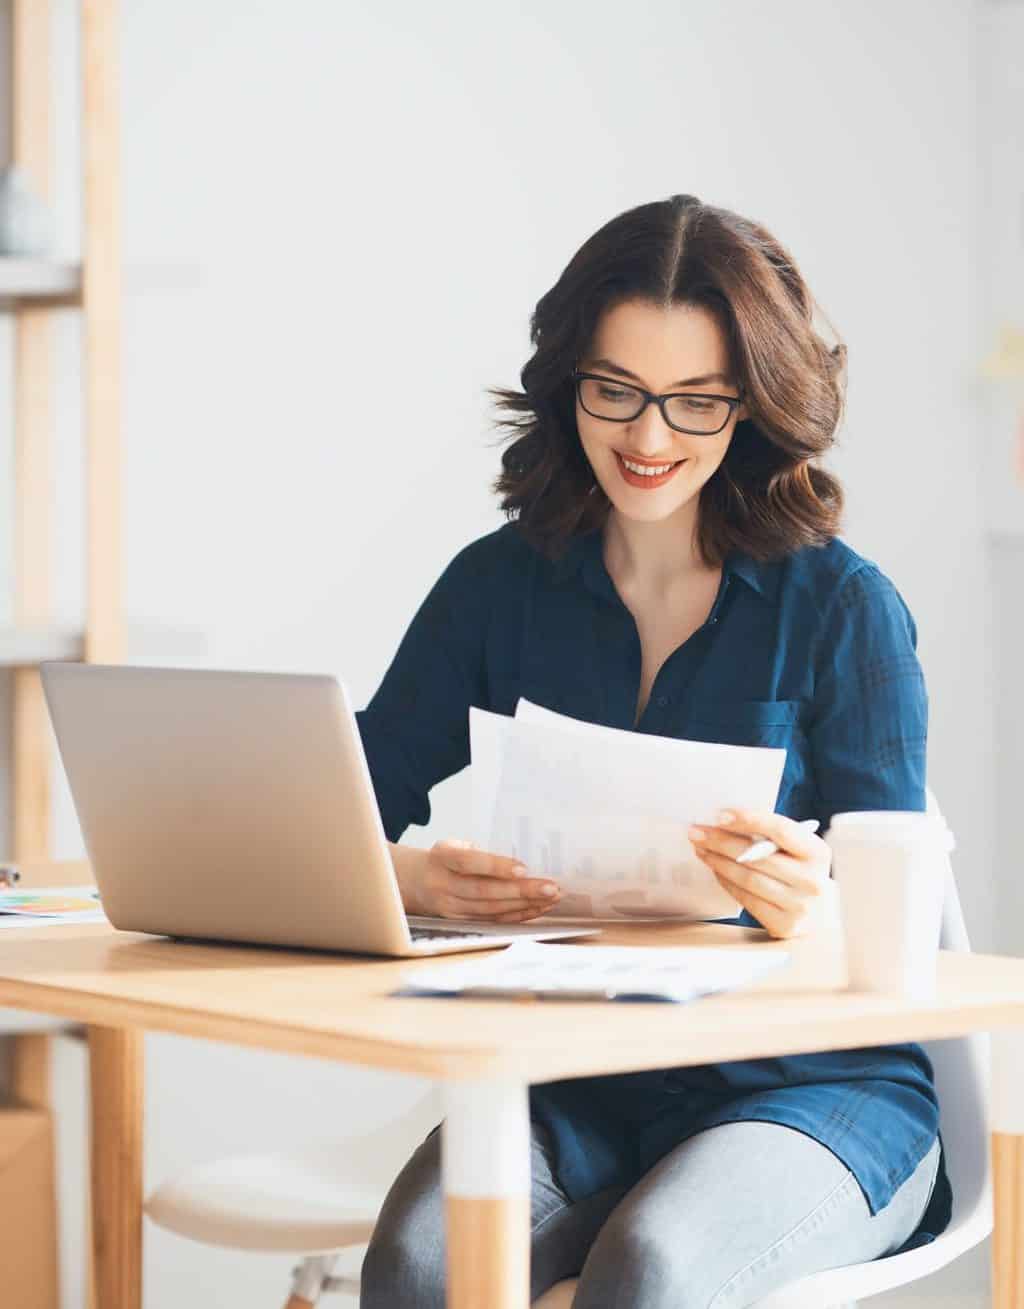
{"points": [[744, 722]]}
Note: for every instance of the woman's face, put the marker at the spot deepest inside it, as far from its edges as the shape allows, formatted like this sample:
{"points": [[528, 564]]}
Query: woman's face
{"points": [[681, 348]]}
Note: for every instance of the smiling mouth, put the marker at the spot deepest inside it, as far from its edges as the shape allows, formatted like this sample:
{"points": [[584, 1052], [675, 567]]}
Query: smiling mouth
{"points": [[646, 480]]}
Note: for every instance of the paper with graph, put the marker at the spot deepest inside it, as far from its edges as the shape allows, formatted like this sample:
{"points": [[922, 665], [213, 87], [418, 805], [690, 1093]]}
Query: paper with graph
{"points": [[604, 811]]}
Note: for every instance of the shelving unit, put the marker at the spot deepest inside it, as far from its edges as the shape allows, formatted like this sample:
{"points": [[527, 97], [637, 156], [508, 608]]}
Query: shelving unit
{"points": [[39, 282], [31, 289]]}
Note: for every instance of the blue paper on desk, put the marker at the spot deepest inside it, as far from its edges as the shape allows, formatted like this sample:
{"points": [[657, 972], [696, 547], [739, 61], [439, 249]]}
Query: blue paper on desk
{"points": [[676, 974]]}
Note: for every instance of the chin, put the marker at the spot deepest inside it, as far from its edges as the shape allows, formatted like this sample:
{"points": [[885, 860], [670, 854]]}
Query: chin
{"points": [[650, 514], [647, 506]]}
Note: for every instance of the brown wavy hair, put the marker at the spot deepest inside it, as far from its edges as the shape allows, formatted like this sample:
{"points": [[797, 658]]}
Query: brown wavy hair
{"points": [[767, 497]]}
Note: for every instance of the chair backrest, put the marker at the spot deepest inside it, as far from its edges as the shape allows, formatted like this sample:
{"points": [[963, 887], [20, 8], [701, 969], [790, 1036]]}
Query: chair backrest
{"points": [[961, 1066], [375, 1158]]}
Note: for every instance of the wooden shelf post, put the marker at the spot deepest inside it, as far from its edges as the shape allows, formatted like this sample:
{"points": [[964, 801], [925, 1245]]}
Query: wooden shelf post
{"points": [[32, 138], [101, 327]]}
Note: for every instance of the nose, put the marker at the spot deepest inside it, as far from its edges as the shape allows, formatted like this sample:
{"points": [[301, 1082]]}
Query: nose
{"points": [[650, 435]]}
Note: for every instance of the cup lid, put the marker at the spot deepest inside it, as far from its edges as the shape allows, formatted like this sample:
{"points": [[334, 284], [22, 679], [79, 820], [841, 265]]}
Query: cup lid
{"points": [[890, 825]]}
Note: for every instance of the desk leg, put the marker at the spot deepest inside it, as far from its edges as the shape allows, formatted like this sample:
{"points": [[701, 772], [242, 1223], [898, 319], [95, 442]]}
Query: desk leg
{"points": [[1007, 1122], [30, 1086], [116, 1085], [486, 1176]]}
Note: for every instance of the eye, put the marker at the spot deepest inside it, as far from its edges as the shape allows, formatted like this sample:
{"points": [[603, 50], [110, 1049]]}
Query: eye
{"points": [[609, 392]]}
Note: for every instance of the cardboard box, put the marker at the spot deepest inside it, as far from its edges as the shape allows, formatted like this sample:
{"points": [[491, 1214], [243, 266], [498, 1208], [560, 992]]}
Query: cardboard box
{"points": [[28, 1210]]}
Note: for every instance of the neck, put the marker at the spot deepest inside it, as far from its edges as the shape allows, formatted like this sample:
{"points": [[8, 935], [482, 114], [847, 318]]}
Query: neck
{"points": [[653, 557]]}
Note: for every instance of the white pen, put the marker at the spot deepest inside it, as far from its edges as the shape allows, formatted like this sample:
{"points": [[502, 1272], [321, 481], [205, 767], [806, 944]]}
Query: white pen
{"points": [[761, 847]]}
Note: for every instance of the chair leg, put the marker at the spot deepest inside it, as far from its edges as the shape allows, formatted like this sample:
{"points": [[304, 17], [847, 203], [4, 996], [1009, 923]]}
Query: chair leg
{"points": [[308, 1281]]}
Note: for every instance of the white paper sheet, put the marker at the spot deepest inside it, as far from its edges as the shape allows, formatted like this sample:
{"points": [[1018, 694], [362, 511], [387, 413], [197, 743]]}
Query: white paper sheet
{"points": [[677, 973], [605, 811], [14, 912]]}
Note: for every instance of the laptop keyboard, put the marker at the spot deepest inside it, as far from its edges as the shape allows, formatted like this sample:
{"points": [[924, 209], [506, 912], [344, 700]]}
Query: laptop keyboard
{"points": [[436, 933]]}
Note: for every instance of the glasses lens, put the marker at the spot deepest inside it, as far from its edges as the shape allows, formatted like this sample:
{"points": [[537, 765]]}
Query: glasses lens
{"points": [[697, 413], [608, 399]]}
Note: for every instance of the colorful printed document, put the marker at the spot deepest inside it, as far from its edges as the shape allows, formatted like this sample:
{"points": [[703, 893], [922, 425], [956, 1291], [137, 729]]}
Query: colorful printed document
{"points": [[599, 972], [63, 904], [604, 812]]}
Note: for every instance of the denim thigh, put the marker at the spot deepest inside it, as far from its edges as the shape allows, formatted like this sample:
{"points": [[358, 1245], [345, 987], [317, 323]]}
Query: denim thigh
{"points": [[737, 1211], [718, 1222], [405, 1259]]}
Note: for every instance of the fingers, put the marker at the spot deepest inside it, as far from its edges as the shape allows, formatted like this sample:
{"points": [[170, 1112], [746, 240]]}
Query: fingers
{"points": [[802, 876], [450, 906], [465, 857], [472, 887], [477, 905], [785, 832], [749, 879], [777, 922], [463, 881], [451, 902]]}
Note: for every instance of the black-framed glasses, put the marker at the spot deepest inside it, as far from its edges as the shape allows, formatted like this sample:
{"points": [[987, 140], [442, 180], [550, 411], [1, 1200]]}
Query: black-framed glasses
{"points": [[695, 413]]}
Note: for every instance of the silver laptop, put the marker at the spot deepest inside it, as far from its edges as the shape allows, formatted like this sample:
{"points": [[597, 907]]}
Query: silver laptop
{"points": [[238, 806]]}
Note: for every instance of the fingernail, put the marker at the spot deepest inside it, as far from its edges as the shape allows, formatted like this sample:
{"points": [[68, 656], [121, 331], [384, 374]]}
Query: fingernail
{"points": [[725, 817], [518, 870], [696, 833], [548, 888]]}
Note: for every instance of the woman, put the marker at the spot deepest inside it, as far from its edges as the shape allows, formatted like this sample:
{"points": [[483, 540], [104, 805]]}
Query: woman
{"points": [[671, 565]]}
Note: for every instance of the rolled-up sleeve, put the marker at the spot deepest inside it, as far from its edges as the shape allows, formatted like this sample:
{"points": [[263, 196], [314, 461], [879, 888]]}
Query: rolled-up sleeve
{"points": [[415, 729], [869, 726]]}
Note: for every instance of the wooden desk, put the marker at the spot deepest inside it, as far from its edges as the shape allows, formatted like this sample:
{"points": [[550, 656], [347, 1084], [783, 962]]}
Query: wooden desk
{"points": [[485, 1052]]}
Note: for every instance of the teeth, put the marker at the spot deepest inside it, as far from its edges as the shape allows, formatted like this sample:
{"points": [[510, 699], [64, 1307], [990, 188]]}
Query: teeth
{"points": [[644, 470]]}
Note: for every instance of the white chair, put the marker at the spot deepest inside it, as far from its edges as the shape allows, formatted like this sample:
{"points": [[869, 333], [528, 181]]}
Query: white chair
{"points": [[301, 1202], [962, 1079]]}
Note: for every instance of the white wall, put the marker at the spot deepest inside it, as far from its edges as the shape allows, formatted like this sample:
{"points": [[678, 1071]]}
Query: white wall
{"points": [[1001, 296], [353, 209]]}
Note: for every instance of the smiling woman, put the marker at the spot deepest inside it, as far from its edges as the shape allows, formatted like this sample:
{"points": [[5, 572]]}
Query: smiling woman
{"points": [[763, 395], [671, 565]]}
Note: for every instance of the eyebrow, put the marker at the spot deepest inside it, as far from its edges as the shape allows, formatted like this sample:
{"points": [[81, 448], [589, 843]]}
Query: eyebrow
{"points": [[612, 367]]}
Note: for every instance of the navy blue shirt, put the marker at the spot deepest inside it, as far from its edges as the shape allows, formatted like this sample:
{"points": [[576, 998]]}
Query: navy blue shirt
{"points": [[816, 653]]}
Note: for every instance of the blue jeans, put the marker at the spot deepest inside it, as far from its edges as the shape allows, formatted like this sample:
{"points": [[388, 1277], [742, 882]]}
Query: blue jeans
{"points": [[721, 1220]]}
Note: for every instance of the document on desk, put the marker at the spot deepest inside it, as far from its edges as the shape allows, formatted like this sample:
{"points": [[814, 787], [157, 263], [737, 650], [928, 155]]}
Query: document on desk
{"points": [[598, 972], [605, 812], [50, 905]]}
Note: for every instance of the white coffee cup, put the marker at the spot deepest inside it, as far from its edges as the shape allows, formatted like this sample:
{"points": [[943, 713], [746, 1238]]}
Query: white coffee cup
{"points": [[890, 867]]}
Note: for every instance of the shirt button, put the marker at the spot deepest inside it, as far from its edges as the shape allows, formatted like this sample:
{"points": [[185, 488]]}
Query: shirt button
{"points": [[662, 701]]}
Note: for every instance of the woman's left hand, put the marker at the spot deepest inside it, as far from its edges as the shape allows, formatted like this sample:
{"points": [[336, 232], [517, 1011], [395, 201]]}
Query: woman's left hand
{"points": [[783, 890]]}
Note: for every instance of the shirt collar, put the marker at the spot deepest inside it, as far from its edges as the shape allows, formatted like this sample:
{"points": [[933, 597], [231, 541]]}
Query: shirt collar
{"points": [[585, 549], [761, 574]]}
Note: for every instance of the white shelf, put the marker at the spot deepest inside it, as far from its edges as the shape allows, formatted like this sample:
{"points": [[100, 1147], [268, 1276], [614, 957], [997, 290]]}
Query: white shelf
{"points": [[38, 279], [22, 647]]}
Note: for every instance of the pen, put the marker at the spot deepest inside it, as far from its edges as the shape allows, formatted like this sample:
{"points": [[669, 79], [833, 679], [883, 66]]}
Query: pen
{"points": [[761, 847]]}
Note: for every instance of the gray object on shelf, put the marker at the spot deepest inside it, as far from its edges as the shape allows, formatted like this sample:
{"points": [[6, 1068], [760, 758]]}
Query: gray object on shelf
{"points": [[26, 225]]}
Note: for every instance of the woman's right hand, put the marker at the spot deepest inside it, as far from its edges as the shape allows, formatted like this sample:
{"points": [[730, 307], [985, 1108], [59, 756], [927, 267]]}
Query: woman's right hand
{"points": [[455, 879]]}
